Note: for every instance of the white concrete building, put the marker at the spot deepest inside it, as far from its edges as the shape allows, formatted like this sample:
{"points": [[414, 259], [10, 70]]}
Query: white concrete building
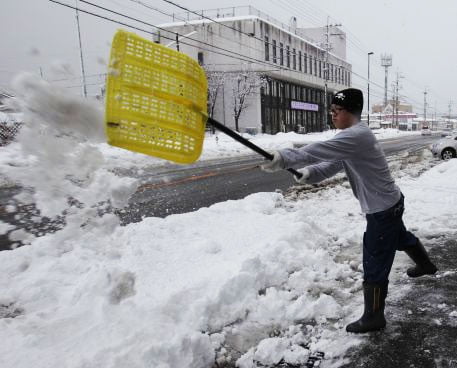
{"points": [[240, 42]]}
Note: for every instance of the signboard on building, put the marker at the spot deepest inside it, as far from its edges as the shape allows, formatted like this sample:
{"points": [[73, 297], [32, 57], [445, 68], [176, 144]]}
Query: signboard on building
{"points": [[298, 105]]}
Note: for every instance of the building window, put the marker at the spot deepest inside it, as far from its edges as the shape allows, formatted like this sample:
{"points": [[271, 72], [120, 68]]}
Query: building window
{"points": [[320, 69], [267, 49], [331, 72], [288, 55], [315, 67], [281, 53], [200, 58], [310, 65], [294, 59], [299, 60], [274, 52], [305, 63]]}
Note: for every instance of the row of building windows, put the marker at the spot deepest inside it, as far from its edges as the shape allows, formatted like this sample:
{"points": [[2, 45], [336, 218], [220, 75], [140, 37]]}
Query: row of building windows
{"points": [[278, 114], [277, 119], [305, 63], [286, 91]]}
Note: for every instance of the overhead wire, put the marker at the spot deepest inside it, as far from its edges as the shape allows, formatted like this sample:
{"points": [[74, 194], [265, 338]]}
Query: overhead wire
{"points": [[361, 47], [147, 6], [241, 57]]}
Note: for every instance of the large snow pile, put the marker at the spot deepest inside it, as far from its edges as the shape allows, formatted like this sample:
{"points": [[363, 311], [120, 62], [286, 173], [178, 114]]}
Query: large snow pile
{"points": [[270, 278]]}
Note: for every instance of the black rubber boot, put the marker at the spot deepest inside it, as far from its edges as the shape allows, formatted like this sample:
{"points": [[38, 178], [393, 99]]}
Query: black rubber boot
{"points": [[423, 264], [373, 316]]}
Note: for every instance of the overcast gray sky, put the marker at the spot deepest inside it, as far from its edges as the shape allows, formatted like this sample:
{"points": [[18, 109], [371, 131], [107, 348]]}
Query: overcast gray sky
{"points": [[420, 34]]}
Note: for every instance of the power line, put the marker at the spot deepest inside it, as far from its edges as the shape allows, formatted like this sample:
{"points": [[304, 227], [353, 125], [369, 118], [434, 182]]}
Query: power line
{"points": [[360, 47], [174, 33], [147, 6], [317, 22], [73, 78], [242, 58]]}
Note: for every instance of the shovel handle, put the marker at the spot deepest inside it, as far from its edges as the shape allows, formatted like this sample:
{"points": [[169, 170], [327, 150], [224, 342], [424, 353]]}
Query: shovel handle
{"points": [[247, 143]]}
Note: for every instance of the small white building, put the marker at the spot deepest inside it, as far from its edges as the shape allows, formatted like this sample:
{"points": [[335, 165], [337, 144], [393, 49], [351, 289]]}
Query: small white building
{"points": [[284, 64]]}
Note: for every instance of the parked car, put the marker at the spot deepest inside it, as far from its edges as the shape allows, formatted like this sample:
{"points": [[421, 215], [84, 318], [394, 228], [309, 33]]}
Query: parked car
{"points": [[426, 131], [446, 148], [446, 132]]}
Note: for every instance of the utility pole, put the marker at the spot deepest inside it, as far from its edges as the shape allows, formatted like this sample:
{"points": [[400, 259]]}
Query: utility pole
{"points": [[81, 52], [425, 105], [434, 122], [396, 99], [368, 119], [328, 48], [386, 62]]}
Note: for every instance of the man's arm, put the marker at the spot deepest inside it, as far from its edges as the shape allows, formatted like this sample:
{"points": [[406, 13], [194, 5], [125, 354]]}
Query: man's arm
{"points": [[323, 170], [343, 146]]}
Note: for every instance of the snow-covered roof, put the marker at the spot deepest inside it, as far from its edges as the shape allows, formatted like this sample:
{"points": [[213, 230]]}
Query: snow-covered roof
{"points": [[246, 17]]}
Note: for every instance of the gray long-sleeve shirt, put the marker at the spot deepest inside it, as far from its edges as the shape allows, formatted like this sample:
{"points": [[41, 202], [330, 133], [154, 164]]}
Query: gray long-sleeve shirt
{"points": [[357, 151]]}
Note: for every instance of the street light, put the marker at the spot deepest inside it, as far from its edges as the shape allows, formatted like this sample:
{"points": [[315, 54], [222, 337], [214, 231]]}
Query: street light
{"points": [[368, 103]]}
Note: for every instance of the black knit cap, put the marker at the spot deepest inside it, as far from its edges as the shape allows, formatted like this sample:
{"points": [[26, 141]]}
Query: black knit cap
{"points": [[350, 99]]}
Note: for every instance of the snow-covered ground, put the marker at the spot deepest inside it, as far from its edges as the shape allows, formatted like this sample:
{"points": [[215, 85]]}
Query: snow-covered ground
{"points": [[256, 281]]}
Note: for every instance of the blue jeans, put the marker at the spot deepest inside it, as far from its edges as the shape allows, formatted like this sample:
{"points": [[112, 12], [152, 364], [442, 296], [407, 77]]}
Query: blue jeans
{"points": [[385, 234]]}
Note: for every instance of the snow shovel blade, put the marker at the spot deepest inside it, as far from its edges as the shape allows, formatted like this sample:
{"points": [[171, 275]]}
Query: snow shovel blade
{"points": [[156, 100]]}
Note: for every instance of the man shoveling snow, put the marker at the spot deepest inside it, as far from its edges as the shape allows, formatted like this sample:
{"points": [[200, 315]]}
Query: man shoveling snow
{"points": [[356, 151]]}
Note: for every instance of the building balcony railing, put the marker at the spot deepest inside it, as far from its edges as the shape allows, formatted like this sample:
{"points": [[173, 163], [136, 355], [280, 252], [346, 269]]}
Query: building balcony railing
{"points": [[235, 11]]}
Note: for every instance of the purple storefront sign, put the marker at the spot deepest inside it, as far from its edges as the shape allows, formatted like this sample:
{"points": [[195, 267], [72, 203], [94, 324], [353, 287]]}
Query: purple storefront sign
{"points": [[304, 106]]}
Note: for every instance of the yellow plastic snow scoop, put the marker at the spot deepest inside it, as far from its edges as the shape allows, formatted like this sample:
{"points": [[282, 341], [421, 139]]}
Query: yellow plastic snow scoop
{"points": [[156, 101]]}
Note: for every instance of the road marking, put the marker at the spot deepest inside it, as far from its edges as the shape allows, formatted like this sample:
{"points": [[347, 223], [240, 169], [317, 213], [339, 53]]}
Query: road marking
{"points": [[144, 187]]}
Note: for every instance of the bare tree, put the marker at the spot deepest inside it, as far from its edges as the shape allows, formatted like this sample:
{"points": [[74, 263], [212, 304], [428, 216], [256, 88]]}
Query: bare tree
{"points": [[216, 80], [243, 85]]}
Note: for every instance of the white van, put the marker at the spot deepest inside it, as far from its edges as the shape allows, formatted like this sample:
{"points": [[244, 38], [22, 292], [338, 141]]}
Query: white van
{"points": [[426, 131]]}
